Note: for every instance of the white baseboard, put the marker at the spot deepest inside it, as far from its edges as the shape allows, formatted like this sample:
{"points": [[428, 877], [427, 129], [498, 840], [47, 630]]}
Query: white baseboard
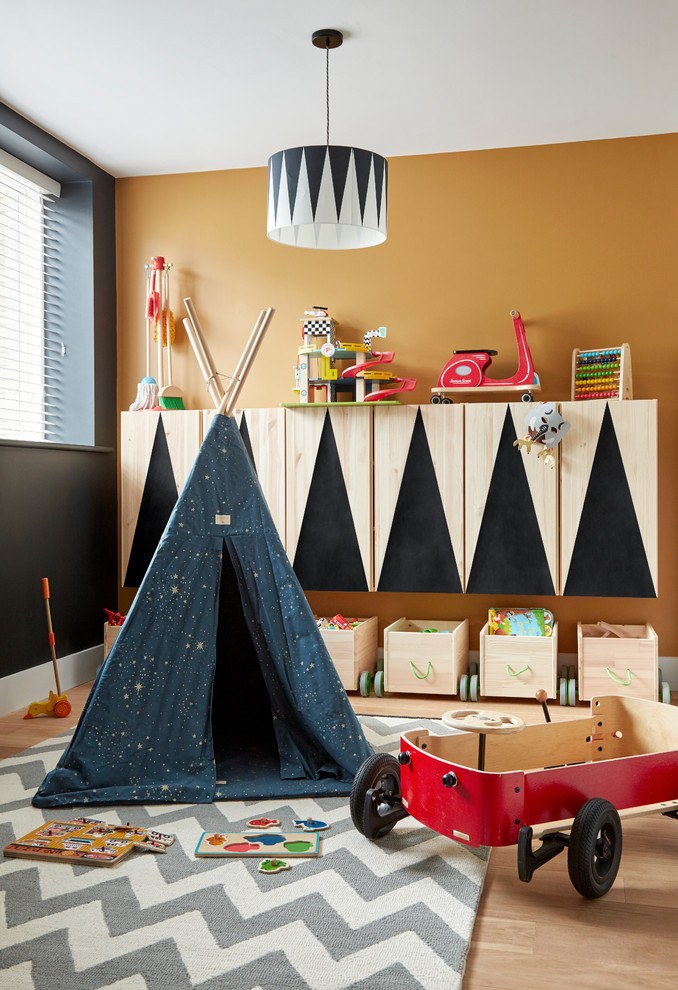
{"points": [[19, 690]]}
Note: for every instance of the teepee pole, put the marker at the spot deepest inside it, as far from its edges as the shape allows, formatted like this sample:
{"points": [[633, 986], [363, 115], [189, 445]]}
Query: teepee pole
{"points": [[202, 353], [245, 363], [235, 377]]}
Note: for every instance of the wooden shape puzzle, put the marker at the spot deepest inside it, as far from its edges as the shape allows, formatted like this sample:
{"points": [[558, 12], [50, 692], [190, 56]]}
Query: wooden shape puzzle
{"points": [[310, 824], [262, 844], [273, 866], [88, 841]]}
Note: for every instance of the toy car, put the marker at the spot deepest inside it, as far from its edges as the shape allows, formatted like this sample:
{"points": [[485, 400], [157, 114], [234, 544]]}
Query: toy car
{"points": [[499, 780]]}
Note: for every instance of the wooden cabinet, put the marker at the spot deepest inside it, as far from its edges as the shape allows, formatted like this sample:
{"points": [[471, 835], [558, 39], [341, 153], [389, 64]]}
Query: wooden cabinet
{"points": [[419, 498], [157, 451], [511, 506], [609, 499], [425, 498], [329, 496]]}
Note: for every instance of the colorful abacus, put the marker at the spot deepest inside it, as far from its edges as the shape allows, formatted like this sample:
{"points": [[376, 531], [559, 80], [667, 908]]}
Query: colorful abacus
{"points": [[602, 374]]}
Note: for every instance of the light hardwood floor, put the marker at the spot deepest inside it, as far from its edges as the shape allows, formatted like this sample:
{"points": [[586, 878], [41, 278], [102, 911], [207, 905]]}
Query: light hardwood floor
{"points": [[542, 934]]}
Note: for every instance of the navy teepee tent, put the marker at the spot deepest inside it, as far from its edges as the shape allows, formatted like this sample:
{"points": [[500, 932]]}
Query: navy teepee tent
{"points": [[219, 685]]}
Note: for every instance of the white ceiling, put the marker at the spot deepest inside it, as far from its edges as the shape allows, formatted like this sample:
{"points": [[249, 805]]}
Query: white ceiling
{"points": [[191, 85]]}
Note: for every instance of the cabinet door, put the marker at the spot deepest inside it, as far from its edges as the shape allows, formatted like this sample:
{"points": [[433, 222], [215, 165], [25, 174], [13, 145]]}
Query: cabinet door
{"points": [[419, 498], [157, 451], [609, 499], [511, 506], [329, 500], [263, 433]]}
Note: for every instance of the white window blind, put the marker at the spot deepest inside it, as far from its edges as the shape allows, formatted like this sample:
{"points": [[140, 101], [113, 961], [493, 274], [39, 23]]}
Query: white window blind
{"points": [[29, 376]]}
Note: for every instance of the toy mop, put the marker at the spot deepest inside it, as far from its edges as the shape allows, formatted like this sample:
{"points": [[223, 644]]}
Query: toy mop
{"points": [[57, 704]]}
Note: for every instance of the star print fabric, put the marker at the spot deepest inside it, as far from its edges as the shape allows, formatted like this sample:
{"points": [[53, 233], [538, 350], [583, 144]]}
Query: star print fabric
{"points": [[146, 732]]}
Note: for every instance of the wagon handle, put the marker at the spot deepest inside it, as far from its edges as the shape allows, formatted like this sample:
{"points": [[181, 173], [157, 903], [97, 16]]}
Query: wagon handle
{"points": [[514, 673], [618, 679], [416, 673]]}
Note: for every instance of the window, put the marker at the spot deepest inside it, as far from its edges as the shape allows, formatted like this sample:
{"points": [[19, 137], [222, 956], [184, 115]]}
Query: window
{"points": [[29, 383]]}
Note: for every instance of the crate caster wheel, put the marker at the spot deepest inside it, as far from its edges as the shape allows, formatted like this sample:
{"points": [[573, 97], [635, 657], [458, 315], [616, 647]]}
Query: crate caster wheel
{"points": [[474, 688], [562, 692], [572, 692], [666, 693], [379, 684], [463, 687], [365, 683]]}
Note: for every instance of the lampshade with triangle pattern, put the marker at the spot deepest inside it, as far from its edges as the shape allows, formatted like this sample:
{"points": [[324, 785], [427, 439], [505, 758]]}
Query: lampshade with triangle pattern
{"points": [[327, 197]]}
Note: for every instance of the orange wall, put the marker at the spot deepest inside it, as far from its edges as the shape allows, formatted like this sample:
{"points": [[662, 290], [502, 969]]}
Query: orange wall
{"points": [[581, 238]]}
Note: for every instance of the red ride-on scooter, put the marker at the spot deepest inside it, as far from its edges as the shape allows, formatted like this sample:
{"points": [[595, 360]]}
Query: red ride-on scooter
{"points": [[465, 371]]}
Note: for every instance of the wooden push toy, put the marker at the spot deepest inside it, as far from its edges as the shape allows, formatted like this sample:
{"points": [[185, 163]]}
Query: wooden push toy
{"points": [[57, 704], [88, 841], [604, 374], [236, 844], [366, 379], [568, 781], [465, 371]]}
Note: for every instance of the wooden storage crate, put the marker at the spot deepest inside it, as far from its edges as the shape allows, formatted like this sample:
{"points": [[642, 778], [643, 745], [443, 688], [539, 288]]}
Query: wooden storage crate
{"points": [[518, 666], [354, 651], [419, 662], [110, 636], [618, 665]]}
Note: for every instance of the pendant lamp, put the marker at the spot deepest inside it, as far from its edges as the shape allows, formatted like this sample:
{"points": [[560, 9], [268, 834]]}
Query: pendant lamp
{"points": [[326, 196]]}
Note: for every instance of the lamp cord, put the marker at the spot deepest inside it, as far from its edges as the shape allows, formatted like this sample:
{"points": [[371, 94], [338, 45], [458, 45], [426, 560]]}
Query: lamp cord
{"points": [[327, 86]]}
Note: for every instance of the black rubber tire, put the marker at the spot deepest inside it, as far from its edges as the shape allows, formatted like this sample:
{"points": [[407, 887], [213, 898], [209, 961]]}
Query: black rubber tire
{"points": [[595, 848], [380, 767]]}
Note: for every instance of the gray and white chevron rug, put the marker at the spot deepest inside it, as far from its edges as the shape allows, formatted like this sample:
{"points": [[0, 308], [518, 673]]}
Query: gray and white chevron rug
{"points": [[390, 915]]}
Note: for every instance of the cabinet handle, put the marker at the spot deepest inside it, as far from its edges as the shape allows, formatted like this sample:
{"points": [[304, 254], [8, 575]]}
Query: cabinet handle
{"points": [[416, 672], [618, 679], [514, 673]]}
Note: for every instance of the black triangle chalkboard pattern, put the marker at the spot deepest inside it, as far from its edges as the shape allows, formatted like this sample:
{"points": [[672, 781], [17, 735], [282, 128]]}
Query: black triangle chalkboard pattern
{"points": [[245, 434], [419, 555], [328, 557], [157, 502], [509, 556], [608, 557]]}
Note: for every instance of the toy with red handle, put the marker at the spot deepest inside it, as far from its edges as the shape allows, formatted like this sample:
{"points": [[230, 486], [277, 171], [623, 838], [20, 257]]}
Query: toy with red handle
{"points": [[50, 632], [57, 704]]}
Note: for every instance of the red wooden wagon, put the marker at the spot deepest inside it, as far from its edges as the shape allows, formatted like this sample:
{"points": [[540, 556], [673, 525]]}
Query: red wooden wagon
{"points": [[501, 781]]}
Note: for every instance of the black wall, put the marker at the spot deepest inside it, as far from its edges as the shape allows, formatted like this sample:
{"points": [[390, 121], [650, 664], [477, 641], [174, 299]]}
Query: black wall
{"points": [[57, 503]]}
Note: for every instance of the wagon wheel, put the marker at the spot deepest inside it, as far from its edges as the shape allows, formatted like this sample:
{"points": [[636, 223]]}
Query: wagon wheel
{"points": [[595, 848], [62, 709], [374, 814]]}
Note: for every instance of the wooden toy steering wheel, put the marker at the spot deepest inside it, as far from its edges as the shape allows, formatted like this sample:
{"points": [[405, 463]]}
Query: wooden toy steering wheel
{"points": [[474, 720]]}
